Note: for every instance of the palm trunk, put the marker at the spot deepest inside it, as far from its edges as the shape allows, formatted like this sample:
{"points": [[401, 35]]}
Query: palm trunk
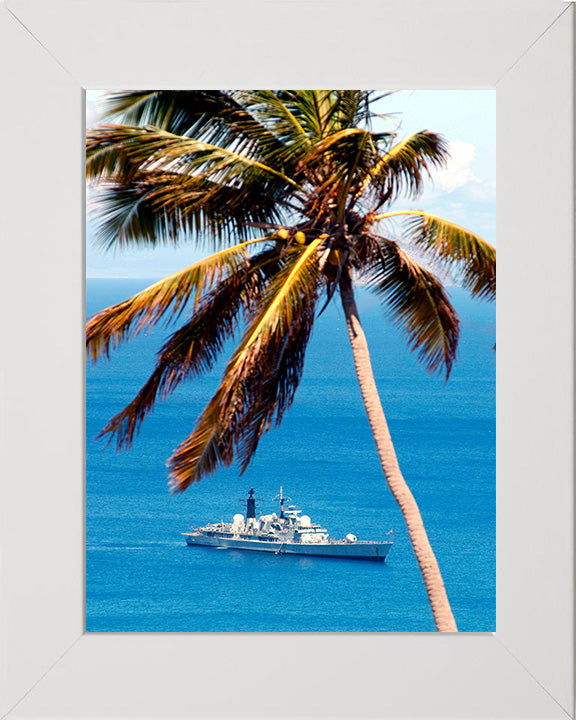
{"points": [[424, 554]]}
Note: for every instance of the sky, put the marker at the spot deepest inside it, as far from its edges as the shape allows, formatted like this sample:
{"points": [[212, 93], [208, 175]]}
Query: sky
{"points": [[464, 192]]}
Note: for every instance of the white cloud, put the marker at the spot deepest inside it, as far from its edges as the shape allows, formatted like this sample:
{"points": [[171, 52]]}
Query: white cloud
{"points": [[459, 177], [458, 171]]}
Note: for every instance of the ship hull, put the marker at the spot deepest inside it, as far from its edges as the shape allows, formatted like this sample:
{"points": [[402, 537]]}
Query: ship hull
{"points": [[353, 551]]}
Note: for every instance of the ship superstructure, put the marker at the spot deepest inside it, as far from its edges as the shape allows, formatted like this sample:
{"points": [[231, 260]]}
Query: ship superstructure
{"points": [[289, 533]]}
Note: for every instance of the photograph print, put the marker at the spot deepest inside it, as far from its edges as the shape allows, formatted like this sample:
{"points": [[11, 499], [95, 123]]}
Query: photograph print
{"points": [[291, 353]]}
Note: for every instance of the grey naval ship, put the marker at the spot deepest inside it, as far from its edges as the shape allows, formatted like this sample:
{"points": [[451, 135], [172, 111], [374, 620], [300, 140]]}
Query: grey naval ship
{"points": [[289, 533]]}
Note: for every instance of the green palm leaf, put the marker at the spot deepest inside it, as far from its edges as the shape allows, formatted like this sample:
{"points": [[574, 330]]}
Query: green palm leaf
{"points": [[179, 112], [213, 116], [152, 149], [313, 110], [403, 168], [337, 147], [321, 113], [272, 110], [347, 109], [161, 207], [471, 259], [418, 303]]}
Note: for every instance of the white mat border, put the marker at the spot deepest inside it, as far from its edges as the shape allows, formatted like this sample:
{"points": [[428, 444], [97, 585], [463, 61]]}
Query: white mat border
{"points": [[50, 55]]}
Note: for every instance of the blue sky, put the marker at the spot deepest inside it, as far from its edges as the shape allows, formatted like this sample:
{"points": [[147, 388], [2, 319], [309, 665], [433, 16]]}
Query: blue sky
{"points": [[465, 192]]}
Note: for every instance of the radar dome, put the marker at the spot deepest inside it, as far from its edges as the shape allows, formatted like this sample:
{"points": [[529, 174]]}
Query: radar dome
{"points": [[304, 521], [238, 519], [351, 538]]}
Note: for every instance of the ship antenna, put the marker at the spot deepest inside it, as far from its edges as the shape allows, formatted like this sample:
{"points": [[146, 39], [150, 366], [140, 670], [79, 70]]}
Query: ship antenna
{"points": [[282, 498]]}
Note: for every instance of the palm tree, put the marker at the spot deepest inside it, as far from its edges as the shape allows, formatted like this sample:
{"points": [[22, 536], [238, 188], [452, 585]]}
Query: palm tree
{"points": [[293, 190]]}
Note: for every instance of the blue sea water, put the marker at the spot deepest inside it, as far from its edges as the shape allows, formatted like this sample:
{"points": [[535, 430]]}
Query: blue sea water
{"points": [[142, 577]]}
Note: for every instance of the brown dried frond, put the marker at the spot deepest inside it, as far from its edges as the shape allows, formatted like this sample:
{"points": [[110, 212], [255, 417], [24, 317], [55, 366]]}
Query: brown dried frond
{"points": [[260, 380], [193, 349], [118, 323]]}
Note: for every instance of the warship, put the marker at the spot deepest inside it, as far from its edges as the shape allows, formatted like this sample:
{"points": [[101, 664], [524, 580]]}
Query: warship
{"points": [[289, 533]]}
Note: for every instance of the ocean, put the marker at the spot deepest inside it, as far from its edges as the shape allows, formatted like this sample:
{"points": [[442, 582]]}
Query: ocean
{"points": [[142, 577]]}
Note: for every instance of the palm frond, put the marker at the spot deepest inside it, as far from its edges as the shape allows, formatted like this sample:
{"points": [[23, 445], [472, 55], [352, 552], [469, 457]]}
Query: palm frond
{"points": [[277, 114], [279, 382], [417, 301], [325, 112], [152, 149], [470, 258], [161, 207], [314, 110], [350, 108], [119, 323], [189, 352], [213, 116], [179, 112], [261, 377], [403, 169], [337, 145], [193, 349]]}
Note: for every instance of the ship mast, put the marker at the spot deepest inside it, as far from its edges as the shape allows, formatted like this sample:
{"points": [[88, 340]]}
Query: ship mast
{"points": [[282, 498], [251, 505]]}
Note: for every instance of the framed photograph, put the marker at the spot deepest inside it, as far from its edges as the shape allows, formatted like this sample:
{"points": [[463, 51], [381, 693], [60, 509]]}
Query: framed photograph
{"points": [[55, 659], [277, 282]]}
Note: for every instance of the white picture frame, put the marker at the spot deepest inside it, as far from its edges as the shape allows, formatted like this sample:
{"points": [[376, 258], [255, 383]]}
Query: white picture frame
{"points": [[51, 52]]}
